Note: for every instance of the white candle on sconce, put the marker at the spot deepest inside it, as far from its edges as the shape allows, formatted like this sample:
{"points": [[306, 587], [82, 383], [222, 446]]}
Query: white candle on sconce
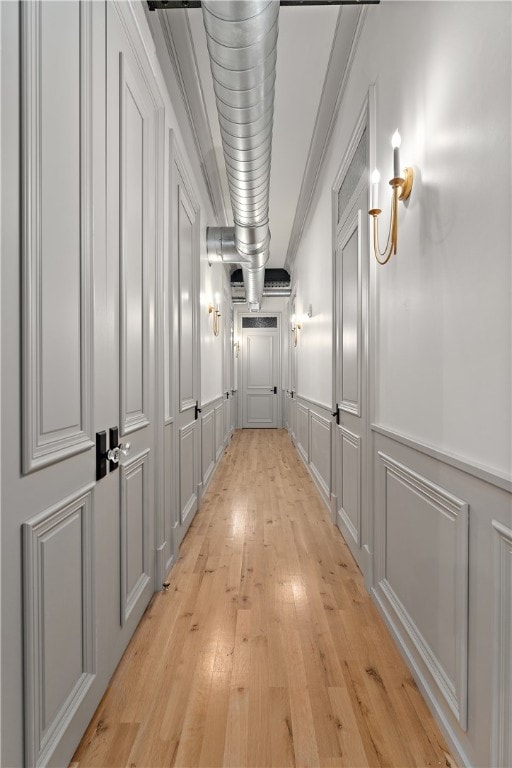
{"points": [[396, 140], [375, 189]]}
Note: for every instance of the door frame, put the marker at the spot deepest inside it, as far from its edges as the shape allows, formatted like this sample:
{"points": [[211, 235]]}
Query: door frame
{"points": [[179, 170], [239, 362], [366, 120]]}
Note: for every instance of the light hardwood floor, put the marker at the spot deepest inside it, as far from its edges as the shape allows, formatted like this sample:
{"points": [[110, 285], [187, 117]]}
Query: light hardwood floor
{"points": [[266, 650]]}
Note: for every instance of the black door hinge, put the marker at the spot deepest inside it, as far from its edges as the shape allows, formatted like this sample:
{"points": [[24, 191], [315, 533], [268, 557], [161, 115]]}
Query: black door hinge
{"points": [[336, 414]]}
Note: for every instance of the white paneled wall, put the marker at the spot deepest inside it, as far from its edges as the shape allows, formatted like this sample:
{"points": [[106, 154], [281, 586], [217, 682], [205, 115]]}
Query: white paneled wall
{"points": [[105, 277], [438, 441]]}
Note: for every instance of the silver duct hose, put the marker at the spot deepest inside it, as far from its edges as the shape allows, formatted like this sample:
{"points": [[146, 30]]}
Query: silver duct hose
{"points": [[242, 39]]}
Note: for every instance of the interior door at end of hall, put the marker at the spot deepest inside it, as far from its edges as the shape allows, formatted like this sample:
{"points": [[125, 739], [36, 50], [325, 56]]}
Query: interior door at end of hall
{"points": [[260, 374], [351, 378], [185, 219]]}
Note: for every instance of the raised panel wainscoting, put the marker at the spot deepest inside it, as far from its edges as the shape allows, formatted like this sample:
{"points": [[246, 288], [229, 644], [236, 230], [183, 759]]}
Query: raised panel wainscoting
{"points": [[312, 438], [443, 607], [443, 580], [59, 636], [215, 435]]}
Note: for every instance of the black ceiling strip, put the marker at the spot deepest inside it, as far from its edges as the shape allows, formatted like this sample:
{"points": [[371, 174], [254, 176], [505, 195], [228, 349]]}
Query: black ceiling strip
{"points": [[169, 5]]}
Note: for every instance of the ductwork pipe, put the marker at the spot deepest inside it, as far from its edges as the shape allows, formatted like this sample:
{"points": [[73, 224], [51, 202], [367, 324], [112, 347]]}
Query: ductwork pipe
{"points": [[242, 38], [220, 246]]}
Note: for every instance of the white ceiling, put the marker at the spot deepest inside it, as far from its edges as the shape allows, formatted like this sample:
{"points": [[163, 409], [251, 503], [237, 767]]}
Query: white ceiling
{"points": [[304, 44], [315, 48]]}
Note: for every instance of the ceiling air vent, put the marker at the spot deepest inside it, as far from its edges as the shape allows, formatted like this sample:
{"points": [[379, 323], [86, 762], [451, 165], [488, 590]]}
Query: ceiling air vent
{"points": [[277, 283]]}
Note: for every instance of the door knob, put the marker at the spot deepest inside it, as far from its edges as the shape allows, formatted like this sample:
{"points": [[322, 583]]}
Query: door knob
{"points": [[114, 454]]}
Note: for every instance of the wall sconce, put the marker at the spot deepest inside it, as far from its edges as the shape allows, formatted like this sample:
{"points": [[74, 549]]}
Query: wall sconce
{"points": [[296, 326], [402, 186], [215, 313]]}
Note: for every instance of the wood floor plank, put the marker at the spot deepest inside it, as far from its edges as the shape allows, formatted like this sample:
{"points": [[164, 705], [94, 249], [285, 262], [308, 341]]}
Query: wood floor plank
{"points": [[266, 649]]}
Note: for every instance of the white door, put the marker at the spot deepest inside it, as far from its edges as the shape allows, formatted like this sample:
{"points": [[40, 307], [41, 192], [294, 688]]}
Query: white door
{"points": [[79, 550], [351, 280], [185, 218], [130, 350], [260, 371]]}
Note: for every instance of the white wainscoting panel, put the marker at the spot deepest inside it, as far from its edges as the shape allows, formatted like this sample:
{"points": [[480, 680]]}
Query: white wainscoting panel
{"points": [[422, 570], [350, 510], [350, 319], [187, 487], [208, 446], [135, 130], [502, 647], [293, 418], [187, 324], [135, 544], [227, 417], [320, 451], [219, 431], [302, 433], [56, 231], [170, 520], [59, 627]]}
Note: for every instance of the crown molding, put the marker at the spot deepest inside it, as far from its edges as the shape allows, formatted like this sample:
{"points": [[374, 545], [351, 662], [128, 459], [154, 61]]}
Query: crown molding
{"points": [[180, 50], [344, 47]]}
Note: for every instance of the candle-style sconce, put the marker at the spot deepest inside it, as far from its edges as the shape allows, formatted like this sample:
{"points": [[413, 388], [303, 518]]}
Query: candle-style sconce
{"points": [[296, 326], [215, 313], [401, 184]]}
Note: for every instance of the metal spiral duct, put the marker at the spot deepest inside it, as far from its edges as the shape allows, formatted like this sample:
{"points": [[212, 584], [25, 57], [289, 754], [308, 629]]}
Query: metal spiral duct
{"points": [[242, 38]]}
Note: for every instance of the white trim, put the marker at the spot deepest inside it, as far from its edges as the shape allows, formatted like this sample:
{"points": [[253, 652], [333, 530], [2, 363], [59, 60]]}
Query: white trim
{"points": [[40, 742], [501, 647], [129, 599], [354, 529], [1, 404], [40, 450], [346, 233], [455, 691], [178, 42], [475, 470], [336, 79], [451, 735], [132, 422]]}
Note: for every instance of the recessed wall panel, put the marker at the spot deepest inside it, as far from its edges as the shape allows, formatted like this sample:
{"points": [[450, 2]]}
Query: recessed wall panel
{"points": [[320, 453], [187, 471], [351, 487], [58, 621], [502, 644], [350, 319], [260, 409], [133, 325], [56, 230], [219, 430], [207, 445], [302, 433], [260, 369], [169, 490], [424, 575], [134, 539], [186, 298]]}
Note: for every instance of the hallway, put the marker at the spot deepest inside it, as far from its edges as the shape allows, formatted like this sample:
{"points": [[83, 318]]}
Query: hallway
{"points": [[266, 649]]}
